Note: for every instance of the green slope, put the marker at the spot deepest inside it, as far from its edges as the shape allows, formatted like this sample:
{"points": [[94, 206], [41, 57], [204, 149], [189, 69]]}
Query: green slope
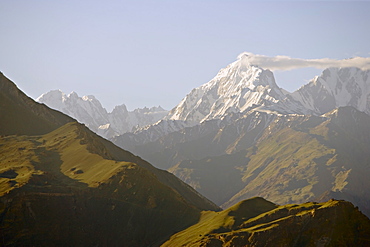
{"points": [[256, 222], [296, 159], [218, 222], [62, 185], [40, 174], [301, 164]]}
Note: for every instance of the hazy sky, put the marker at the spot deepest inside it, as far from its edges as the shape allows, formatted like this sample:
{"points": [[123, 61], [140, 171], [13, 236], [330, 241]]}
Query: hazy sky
{"points": [[149, 53]]}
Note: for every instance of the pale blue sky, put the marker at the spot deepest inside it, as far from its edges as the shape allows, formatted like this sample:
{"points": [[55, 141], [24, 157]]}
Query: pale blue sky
{"points": [[146, 53]]}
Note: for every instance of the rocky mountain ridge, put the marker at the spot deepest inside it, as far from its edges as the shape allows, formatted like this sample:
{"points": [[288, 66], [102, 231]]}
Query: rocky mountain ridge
{"points": [[242, 87], [88, 110]]}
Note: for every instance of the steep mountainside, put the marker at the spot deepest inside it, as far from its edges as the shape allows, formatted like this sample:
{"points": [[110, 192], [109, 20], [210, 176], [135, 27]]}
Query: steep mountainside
{"points": [[70, 187], [88, 110], [20, 115], [210, 138], [257, 222], [295, 159], [336, 87]]}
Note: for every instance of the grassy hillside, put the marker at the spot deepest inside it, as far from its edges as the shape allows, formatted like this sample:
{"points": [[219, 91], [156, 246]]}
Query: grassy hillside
{"points": [[53, 185], [300, 164], [216, 222], [295, 159], [256, 222], [62, 185]]}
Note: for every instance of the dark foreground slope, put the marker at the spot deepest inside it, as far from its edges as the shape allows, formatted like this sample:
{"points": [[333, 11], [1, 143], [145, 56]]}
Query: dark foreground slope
{"points": [[257, 222], [63, 185], [20, 115]]}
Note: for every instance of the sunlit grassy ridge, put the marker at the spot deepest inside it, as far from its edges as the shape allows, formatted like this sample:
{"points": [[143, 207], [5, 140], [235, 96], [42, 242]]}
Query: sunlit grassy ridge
{"points": [[291, 163], [41, 172], [77, 162], [218, 222], [257, 222], [65, 153], [16, 163], [62, 185]]}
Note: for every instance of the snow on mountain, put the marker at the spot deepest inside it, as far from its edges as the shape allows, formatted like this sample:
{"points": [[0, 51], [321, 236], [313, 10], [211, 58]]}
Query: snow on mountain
{"points": [[334, 88], [148, 133], [88, 110], [240, 87], [236, 88]]}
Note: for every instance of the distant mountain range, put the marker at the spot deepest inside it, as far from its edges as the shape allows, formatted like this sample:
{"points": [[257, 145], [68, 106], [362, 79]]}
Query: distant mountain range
{"points": [[219, 137], [240, 135], [240, 88], [88, 110], [63, 185]]}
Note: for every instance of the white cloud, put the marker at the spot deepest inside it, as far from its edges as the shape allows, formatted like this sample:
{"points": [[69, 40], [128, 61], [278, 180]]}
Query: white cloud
{"points": [[288, 63]]}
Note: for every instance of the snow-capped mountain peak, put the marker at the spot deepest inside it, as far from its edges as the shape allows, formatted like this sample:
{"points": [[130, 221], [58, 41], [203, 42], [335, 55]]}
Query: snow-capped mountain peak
{"points": [[88, 110], [334, 88], [88, 98], [234, 89]]}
